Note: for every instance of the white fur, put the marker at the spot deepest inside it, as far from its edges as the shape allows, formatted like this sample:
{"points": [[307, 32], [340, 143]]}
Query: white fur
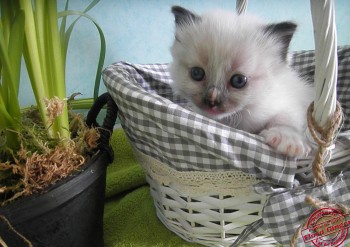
{"points": [[275, 99]]}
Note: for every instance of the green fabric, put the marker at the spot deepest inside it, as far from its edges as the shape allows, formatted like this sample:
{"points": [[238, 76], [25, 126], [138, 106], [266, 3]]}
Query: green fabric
{"points": [[124, 173], [130, 217]]}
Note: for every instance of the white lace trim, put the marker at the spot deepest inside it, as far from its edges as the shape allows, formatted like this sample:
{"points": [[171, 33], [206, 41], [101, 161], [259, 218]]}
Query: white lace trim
{"points": [[228, 183]]}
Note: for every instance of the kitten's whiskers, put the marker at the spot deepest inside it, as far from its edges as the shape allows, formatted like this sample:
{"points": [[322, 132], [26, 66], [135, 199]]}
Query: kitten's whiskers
{"points": [[234, 119]]}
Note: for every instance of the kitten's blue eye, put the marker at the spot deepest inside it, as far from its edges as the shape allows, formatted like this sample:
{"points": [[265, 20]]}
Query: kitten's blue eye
{"points": [[197, 73], [238, 81]]}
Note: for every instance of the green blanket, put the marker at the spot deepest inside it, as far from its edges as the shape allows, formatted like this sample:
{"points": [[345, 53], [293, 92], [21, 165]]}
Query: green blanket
{"points": [[130, 217]]}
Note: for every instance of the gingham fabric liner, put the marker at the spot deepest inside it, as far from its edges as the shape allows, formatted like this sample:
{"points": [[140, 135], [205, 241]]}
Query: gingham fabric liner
{"points": [[187, 141], [158, 125]]}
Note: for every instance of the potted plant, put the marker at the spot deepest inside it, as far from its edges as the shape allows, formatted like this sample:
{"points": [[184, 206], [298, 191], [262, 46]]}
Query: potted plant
{"points": [[52, 169]]}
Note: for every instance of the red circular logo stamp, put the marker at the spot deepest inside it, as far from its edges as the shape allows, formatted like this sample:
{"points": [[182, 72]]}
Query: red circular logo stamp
{"points": [[326, 227]]}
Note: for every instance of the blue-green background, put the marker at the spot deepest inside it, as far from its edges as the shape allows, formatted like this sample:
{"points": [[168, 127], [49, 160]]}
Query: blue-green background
{"points": [[141, 31]]}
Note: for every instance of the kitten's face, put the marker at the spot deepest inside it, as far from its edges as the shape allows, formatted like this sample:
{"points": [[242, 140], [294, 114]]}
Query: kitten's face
{"points": [[223, 63]]}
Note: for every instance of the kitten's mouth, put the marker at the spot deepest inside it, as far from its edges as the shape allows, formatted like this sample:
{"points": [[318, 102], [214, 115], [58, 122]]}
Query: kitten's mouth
{"points": [[213, 112]]}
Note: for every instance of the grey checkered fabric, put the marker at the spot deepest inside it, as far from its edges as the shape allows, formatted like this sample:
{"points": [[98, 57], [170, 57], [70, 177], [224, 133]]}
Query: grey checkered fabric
{"points": [[285, 212], [158, 124]]}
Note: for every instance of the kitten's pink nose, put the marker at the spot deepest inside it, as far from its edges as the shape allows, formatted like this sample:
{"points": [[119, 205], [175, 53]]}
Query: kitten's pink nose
{"points": [[212, 98]]}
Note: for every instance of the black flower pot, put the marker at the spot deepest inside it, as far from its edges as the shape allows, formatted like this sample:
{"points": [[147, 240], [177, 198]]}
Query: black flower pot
{"points": [[70, 213]]}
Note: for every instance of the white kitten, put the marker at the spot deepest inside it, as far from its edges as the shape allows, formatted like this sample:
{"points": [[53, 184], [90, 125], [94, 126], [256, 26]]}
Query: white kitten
{"points": [[233, 68]]}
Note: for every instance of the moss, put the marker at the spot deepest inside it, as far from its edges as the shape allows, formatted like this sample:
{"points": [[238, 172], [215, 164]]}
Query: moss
{"points": [[40, 160]]}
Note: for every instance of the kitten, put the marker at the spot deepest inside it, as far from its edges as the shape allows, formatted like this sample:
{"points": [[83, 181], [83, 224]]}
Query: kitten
{"points": [[233, 68]]}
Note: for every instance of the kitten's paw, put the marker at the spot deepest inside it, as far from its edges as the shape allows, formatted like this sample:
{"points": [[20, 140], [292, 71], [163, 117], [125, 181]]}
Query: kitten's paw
{"points": [[286, 141]]}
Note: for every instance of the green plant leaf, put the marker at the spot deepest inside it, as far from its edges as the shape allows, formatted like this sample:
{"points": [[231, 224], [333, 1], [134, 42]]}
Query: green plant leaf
{"points": [[102, 44], [65, 36], [11, 57], [34, 61], [15, 48], [55, 66]]}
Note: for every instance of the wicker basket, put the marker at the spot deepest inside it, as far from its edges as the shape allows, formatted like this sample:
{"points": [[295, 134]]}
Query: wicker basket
{"points": [[210, 219], [204, 175], [215, 185]]}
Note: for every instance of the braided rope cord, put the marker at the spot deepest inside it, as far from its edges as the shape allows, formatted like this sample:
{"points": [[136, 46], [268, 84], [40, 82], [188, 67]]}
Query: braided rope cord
{"points": [[324, 137]]}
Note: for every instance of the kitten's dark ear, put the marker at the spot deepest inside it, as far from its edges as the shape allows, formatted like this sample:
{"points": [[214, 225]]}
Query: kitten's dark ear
{"points": [[284, 32], [184, 16]]}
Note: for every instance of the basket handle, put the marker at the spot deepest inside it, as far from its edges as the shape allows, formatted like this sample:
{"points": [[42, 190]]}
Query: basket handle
{"points": [[108, 123]]}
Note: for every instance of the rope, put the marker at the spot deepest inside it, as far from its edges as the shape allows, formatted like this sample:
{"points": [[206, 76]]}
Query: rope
{"points": [[3, 218], [324, 138], [241, 6], [316, 203], [296, 235]]}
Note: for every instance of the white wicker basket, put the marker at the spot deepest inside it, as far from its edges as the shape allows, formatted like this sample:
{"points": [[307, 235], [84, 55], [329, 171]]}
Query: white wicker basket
{"points": [[213, 219], [210, 198]]}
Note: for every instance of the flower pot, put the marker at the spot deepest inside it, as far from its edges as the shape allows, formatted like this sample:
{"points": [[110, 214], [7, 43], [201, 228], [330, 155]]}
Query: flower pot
{"points": [[70, 213]]}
